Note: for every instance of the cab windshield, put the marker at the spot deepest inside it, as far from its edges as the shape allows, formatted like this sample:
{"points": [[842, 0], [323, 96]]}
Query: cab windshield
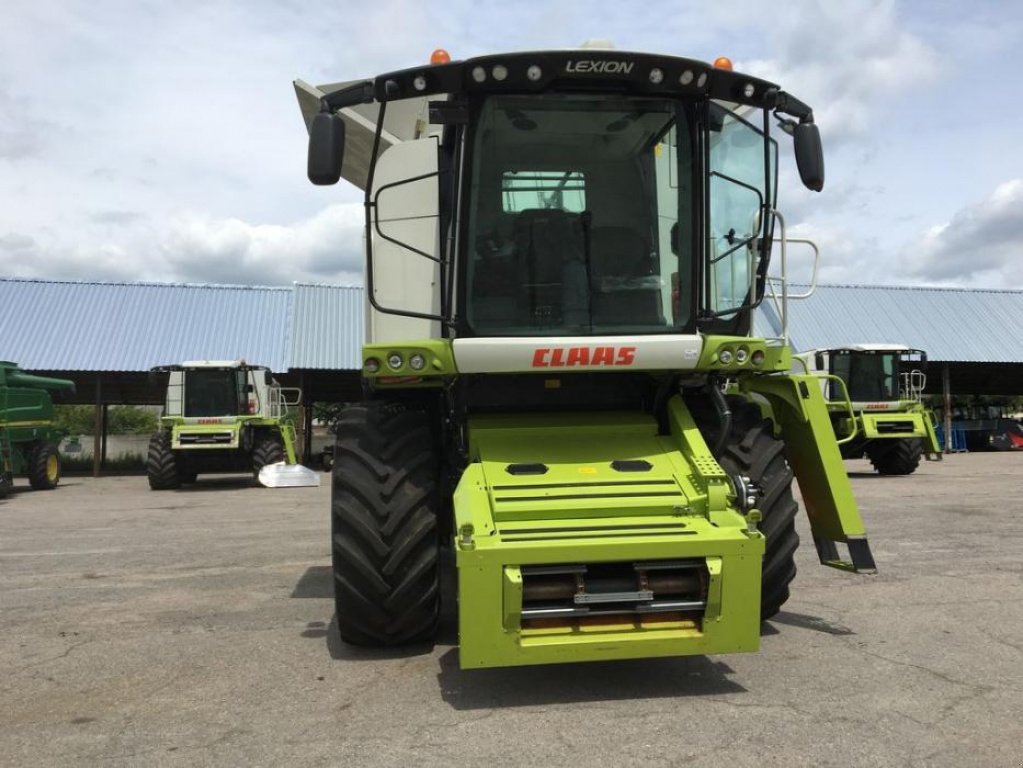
{"points": [[869, 377], [214, 392], [575, 205]]}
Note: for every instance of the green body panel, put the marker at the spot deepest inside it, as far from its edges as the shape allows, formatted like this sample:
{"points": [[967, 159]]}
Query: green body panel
{"points": [[26, 415], [909, 419], [800, 411], [437, 353], [775, 358], [907, 424], [582, 511], [224, 433]]}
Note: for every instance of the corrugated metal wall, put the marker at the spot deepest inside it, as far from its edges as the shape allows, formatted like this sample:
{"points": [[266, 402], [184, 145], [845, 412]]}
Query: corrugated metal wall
{"points": [[327, 328], [69, 326], [950, 324], [133, 326]]}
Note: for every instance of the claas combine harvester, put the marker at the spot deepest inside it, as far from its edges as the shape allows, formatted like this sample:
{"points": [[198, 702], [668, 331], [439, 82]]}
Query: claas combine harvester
{"points": [[219, 416], [563, 253], [875, 395]]}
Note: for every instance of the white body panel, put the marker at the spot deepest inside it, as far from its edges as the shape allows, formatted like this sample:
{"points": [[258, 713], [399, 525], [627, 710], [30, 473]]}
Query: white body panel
{"points": [[523, 354], [404, 120], [265, 398], [403, 279], [811, 360]]}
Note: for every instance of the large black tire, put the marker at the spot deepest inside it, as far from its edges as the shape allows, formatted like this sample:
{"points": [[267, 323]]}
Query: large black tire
{"points": [[384, 536], [44, 467], [268, 450], [895, 457], [161, 466], [753, 450]]}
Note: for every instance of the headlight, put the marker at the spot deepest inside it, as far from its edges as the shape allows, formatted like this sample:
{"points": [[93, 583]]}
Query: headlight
{"points": [[372, 365], [395, 360], [417, 362]]}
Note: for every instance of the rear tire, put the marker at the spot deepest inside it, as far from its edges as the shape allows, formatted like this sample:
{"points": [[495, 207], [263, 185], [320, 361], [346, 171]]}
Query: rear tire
{"points": [[896, 457], [384, 536], [44, 467], [753, 450], [161, 465], [268, 450]]}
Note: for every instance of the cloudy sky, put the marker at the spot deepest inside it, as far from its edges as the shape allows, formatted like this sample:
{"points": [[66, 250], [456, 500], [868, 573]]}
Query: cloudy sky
{"points": [[144, 140]]}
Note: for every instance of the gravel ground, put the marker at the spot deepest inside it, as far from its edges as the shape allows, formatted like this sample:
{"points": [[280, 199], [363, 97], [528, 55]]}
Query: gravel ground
{"points": [[194, 628]]}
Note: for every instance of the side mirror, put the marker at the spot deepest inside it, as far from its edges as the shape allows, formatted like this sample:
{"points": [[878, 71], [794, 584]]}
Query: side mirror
{"points": [[809, 155], [326, 148]]}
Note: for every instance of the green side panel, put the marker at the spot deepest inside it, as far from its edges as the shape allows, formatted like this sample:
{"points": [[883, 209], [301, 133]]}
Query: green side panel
{"points": [[288, 438], [799, 407], [544, 490], [11, 375], [22, 404], [437, 356], [931, 444], [740, 354], [881, 425], [204, 437]]}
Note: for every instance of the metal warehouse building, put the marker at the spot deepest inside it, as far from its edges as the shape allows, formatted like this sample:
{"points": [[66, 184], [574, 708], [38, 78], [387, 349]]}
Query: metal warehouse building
{"points": [[107, 336], [973, 338]]}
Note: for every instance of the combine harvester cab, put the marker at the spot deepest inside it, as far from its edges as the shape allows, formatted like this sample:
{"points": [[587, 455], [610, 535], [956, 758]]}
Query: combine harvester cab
{"points": [[220, 416], [874, 394], [29, 439], [563, 253]]}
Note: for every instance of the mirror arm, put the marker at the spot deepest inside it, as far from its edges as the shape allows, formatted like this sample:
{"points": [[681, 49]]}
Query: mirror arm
{"points": [[360, 93], [787, 104]]}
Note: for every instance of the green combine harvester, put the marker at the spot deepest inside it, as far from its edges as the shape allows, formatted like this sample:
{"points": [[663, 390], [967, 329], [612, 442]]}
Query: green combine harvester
{"points": [[563, 252], [220, 416], [875, 397], [28, 438]]}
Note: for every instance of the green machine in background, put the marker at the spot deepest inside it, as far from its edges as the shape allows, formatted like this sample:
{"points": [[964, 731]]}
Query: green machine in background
{"points": [[28, 437], [220, 416], [874, 395]]}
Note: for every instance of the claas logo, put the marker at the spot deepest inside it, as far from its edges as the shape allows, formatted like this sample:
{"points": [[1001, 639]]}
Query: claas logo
{"points": [[567, 357]]}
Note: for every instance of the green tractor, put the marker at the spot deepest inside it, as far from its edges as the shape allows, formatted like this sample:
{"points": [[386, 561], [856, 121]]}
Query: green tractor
{"points": [[29, 439], [220, 416], [874, 394], [563, 252]]}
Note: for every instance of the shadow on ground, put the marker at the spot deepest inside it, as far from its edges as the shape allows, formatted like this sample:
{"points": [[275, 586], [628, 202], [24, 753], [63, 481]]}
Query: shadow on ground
{"points": [[585, 682], [814, 623], [317, 581]]}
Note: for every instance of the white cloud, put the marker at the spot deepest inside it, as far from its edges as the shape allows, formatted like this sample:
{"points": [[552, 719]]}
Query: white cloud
{"points": [[982, 244], [158, 141], [844, 59], [326, 247]]}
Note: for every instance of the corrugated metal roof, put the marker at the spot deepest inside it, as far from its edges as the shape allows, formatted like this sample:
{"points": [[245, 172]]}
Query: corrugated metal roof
{"points": [[950, 324], [83, 326], [327, 327]]}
